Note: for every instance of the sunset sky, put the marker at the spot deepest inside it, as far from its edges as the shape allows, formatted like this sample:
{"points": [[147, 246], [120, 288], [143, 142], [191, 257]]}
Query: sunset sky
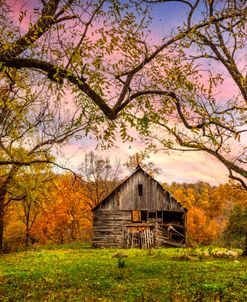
{"points": [[175, 166]]}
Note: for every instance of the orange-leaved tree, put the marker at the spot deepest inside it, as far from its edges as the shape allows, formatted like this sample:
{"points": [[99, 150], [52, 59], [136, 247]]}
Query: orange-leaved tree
{"points": [[66, 214]]}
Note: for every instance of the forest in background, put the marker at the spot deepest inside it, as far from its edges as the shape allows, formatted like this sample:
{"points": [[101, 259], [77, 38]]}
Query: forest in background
{"points": [[109, 69], [56, 208]]}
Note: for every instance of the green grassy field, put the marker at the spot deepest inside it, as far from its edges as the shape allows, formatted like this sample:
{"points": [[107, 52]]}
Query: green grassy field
{"points": [[79, 273]]}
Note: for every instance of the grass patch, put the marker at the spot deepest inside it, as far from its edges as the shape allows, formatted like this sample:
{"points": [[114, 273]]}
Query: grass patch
{"points": [[79, 273]]}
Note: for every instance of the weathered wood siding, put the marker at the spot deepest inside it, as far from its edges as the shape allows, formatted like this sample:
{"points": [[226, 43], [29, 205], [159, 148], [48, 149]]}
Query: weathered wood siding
{"points": [[108, 228], [164, 233], [126, 197], [115, 225]]}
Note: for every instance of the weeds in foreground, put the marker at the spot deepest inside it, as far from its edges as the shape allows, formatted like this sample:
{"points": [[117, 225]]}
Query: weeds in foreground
{"points": [[84, 274], [121, 262]]}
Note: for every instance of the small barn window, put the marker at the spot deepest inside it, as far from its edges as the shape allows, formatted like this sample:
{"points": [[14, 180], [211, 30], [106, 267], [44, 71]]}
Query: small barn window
{"points": [[140, 189], [144, 216], [152, 215], [159, 214], [136, 216], [169, 216]]}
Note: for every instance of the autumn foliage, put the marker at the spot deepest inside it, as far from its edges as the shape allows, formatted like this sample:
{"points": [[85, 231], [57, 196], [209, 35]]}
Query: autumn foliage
{"points": [[65, 214], [60, 214], [57, 209], [209, 209]]}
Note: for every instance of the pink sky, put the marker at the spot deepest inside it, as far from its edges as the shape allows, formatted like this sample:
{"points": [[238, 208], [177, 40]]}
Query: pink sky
{"points": [[19, 6], [186, 167], [180, 167]]}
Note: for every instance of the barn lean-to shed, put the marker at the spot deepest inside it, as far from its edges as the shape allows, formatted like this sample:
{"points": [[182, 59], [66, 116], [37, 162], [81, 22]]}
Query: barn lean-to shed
{"points": [[139, 213]]}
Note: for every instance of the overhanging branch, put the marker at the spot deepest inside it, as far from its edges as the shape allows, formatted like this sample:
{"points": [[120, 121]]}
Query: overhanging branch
{"points": [[58, 74]]}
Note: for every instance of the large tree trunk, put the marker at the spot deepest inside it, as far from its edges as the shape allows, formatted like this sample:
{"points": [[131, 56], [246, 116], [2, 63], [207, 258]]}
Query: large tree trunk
{"points": [[27, 222], [1, 221], [245, 245], [3, 191], [27, 237]]}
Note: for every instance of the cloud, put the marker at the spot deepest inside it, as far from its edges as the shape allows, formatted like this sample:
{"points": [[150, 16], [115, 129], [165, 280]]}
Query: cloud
{"points": [[180, 167]]}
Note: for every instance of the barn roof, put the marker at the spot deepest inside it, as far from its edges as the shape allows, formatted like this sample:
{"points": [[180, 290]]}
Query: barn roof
{"points": [[138, 168]]}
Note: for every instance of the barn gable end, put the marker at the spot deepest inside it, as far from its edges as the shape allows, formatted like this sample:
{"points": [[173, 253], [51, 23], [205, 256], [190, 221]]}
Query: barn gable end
{"points": [[139, 213]]}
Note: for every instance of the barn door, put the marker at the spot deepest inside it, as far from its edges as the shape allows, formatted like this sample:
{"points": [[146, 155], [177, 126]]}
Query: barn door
{"points": [[139, 237]]}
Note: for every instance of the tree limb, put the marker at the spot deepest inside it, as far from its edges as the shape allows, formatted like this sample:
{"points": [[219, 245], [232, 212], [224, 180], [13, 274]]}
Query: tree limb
{"points": [[57, 73]]}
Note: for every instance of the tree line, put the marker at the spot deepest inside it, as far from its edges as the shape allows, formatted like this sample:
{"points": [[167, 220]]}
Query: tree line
{"points": [[57, 208], [72, 68], [216, 214]]}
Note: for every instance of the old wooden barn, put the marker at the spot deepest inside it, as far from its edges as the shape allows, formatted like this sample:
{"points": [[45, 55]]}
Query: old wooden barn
{"points": [[139, 213]]}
